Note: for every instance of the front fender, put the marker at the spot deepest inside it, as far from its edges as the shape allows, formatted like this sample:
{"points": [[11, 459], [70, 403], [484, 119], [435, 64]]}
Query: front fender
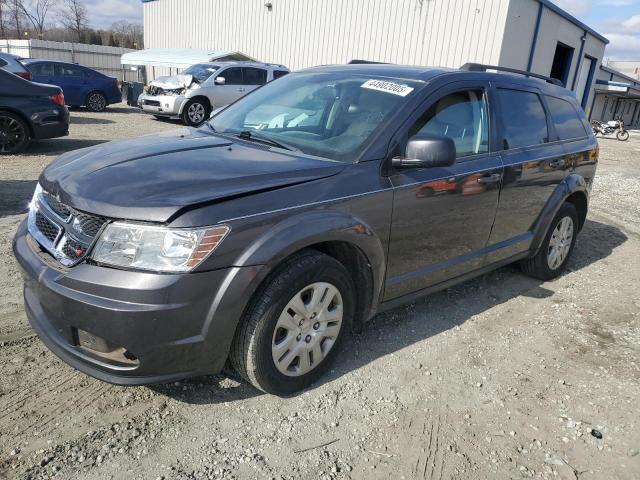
{"points": [[571, 184], [306, 229]]}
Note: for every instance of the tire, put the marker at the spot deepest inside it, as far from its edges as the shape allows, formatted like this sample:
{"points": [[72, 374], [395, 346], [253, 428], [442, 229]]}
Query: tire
{"points": [[557, 247], [272, 329], [195, 112], [622, 136], [14, 134], [96, 102]]}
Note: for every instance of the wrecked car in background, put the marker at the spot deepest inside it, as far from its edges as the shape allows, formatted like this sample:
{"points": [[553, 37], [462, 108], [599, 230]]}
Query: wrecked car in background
{"points": [[192, 95]]}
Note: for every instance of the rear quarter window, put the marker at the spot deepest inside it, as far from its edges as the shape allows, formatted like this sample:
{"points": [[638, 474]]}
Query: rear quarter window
{"points": [[565, 118], [279, 73], [3, 63], [523, 118]]}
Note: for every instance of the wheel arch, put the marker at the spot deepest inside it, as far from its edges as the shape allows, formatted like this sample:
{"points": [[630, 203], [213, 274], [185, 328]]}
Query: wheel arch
{"points": [[22, 117], [572, 189], [196, 97], [340, 235]]}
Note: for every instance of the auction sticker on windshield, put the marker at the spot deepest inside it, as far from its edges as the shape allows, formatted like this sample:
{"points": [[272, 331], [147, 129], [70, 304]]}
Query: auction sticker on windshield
{"points": [[389, 87]]}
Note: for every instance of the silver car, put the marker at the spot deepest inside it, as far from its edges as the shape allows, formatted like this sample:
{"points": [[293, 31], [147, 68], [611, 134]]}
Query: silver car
{"points": [[192, 95]]}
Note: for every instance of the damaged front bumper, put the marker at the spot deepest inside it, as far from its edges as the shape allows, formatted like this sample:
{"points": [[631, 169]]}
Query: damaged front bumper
{"points": [[162, 105]]}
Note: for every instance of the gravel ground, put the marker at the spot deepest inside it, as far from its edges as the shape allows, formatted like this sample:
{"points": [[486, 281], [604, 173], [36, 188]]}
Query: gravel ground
{"points": [[500, 377]]}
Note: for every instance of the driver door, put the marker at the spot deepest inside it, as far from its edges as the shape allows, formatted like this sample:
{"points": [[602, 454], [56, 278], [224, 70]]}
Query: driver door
{"points": [[442, 216], [232, 89]]}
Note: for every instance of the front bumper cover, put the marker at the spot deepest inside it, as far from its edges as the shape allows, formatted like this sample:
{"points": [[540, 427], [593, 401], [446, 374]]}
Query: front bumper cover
{"points": [[166, 105], [176, 326]]}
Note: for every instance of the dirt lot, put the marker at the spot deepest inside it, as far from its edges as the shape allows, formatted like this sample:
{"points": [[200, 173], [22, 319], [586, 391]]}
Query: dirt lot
{"points": [[501, 377]]}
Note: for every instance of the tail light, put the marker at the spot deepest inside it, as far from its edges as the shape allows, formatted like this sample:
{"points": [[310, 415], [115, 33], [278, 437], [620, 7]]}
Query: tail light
{"points": [[25, 75], [58, 99], [117, 83]]}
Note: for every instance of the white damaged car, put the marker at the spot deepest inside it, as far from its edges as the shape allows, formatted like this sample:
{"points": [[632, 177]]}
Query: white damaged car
{"points": [[192, 95]]}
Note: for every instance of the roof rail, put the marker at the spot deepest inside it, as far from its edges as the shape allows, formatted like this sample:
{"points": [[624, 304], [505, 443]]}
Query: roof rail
{"points": [[357, 61], [479, 67]]}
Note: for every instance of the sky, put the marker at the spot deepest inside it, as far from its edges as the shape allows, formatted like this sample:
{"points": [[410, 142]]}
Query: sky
{"points": [[617, 20], [102, 13]]}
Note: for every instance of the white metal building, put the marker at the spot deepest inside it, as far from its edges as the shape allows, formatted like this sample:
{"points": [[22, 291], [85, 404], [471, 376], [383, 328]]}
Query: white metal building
{"points": [[617, 95], [532, 35]]}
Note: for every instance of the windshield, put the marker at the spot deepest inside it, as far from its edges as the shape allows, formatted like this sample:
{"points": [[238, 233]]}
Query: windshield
{"points": [[327, 115], [201, 71]]}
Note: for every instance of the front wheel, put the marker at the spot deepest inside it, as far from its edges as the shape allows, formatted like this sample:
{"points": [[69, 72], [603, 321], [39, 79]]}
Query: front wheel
{"points": [[554, 253], [14, 133], [195, 112], [623, 135], [295, 325]]}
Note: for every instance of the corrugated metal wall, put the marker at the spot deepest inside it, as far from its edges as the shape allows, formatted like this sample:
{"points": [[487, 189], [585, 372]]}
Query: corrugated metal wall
{"points": [[102, 58], [303, 33]]}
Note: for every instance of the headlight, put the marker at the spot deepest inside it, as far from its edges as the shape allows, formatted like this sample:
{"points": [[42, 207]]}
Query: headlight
{"points": [[160, 249]]}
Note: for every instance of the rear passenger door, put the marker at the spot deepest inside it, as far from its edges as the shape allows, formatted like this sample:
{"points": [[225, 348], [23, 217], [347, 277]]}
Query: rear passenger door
{"points": [[253, 78], [534, 166], [442, 216]]}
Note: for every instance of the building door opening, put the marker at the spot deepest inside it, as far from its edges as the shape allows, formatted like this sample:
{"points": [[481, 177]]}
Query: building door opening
{"points": [[583, 87], [561, 62]]}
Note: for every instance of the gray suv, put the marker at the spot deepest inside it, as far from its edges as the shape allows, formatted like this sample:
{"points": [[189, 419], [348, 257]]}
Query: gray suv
{"points": [[262, 238], [192, 95]]}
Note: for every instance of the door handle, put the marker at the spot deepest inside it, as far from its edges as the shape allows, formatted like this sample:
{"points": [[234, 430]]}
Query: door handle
{"points": [[493, 178], [558, 163]]}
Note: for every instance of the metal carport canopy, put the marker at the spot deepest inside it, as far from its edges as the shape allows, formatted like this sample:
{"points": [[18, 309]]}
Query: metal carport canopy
{"points": [[176, 57]]}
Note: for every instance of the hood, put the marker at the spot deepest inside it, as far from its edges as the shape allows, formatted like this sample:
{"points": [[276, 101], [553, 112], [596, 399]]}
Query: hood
{"points": [[172, 82], [152, 178]]}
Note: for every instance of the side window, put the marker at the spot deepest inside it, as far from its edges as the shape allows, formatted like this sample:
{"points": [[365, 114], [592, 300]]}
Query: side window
{"points": [[279, 73], [565, 118], [43, 69], [3, 63], [255, 76], [523, 118], [232, 76], [71, 71], [462, 116]]}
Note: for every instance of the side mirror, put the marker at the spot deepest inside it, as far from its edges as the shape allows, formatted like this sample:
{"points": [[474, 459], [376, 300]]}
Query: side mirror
{"points": [[220, 81], [425, 151]]}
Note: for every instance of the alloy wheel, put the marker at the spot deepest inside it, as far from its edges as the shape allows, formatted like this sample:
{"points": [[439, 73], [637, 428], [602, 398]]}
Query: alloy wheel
{"points": [[307, 329], [560, 243], [12, 134], [96, 102], [196, 113]]}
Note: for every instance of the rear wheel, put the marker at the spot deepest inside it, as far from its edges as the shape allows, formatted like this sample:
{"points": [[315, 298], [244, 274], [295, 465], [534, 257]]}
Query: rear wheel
{"points": [[96, 102], [554, 253], [195, 112], [623, 136], [14, 133], [295, 325]]}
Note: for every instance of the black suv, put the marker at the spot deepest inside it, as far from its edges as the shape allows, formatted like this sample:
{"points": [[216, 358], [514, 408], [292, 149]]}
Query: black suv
{"points": [[265, 236]]}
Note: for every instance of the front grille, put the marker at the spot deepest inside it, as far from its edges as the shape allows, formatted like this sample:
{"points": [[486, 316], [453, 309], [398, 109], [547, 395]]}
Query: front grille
{"points": [[58, 207], [89, 224], [49, 229], [64, 232]]}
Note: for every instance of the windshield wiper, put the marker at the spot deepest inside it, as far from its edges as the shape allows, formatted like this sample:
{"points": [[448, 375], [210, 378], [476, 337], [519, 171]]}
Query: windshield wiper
{"points": [[256, 137]]}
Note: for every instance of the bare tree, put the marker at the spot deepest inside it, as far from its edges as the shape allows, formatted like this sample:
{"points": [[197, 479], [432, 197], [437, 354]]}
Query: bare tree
{"points": [[73, 16], [4, 11], [36, 12], [16, 16], [128, 35]]}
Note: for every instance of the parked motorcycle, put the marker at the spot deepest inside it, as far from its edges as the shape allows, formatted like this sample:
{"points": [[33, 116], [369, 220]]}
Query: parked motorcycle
{"points": [[609, 128]]}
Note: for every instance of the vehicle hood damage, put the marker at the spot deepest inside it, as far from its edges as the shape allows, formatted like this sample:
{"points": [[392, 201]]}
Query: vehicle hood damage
{"points": [[172, 83], [153, 178]]}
